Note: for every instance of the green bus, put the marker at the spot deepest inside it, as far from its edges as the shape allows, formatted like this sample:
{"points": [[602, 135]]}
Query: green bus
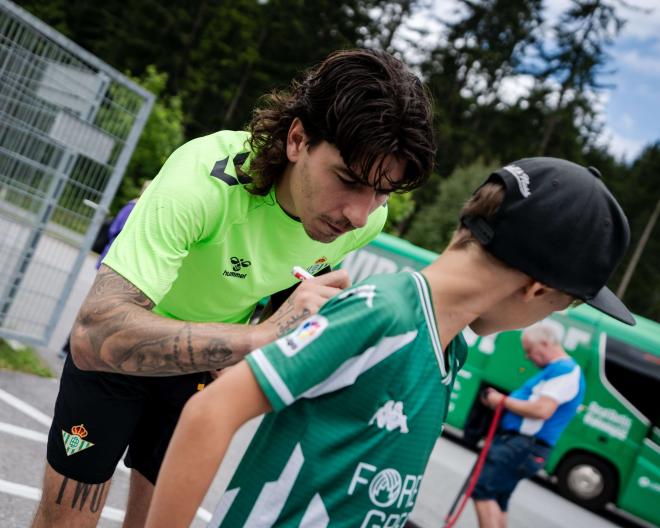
{"points": [[610, 452]]}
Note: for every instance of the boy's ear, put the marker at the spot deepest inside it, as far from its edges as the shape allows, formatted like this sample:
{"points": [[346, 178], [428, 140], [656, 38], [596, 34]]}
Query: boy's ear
{"points": [[534, 289], [296, 140]]}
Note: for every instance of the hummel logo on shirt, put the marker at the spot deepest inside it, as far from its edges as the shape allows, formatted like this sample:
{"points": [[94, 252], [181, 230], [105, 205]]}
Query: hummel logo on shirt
{"points": [[390, 416], [236, 265]]}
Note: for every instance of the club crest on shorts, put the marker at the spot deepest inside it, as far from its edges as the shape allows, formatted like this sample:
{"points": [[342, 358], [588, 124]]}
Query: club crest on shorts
{"points": [[73, 442]]}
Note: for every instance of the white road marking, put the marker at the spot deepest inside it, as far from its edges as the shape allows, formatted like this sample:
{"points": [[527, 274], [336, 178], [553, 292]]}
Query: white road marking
{"points": [[35, 493], [28, 492], [23, 432], [25, 408]]}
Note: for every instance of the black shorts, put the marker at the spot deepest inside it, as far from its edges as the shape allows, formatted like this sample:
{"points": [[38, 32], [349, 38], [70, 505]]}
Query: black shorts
{"points": [[98, 415], [512, 457]]}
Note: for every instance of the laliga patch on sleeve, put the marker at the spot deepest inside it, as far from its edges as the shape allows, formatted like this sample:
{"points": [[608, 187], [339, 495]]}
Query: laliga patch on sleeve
{"points": [[302, 336]]}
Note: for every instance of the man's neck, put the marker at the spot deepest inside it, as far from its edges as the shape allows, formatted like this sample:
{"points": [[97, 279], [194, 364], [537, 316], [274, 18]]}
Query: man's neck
{"points": [[283, 193], [559, 357]]}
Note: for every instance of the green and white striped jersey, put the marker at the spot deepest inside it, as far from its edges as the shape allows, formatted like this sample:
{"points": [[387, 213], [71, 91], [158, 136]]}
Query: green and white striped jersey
{"points": [[359, 392]]}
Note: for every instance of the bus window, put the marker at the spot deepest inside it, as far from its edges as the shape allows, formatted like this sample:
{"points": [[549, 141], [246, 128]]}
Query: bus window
{"points": [[635, 373]]}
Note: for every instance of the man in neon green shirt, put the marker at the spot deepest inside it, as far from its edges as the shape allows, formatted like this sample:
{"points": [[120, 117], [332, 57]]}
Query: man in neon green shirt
{"points": [[219, 228]]}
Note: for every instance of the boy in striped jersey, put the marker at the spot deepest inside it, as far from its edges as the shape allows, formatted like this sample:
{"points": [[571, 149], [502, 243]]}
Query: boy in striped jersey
{"points": [[356, 395]]}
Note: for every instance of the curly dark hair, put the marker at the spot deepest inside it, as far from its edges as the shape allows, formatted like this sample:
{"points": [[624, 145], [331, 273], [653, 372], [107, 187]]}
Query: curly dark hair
{"points": [[364, 102]]}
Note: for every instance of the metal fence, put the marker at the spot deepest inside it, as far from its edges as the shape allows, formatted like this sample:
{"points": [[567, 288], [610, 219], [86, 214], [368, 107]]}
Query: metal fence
{"points": [[68, 126]]}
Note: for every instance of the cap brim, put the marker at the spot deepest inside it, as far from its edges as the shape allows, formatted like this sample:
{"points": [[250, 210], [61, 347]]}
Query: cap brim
{"points": [[610, 304]]}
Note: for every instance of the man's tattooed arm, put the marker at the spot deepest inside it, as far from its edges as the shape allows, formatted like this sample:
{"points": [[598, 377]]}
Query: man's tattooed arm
{"points": [[288, 317], [116, 331]]}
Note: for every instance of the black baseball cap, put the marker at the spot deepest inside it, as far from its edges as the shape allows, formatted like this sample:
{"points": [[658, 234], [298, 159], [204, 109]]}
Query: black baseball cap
{"points": [[560, 225]]}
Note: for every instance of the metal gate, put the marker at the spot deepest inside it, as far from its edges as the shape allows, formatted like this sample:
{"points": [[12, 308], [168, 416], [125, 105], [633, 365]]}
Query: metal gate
{"points": [[68, 126]]}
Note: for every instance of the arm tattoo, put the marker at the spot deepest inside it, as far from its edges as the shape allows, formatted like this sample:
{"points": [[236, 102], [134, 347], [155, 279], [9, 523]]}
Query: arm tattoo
{"points": [[287, 318], [284, 327], [116, 331]]}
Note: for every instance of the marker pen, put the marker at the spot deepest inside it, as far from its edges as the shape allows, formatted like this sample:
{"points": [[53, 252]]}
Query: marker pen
{"points": [[301, 273]]}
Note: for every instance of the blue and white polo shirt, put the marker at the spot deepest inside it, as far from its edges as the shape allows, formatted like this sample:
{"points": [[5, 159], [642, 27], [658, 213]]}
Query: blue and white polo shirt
{"points": [[561, 380]]}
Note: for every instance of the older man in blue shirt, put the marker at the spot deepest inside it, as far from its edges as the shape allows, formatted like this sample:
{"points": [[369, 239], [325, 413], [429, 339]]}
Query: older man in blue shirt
{"points": [[534, 417]]}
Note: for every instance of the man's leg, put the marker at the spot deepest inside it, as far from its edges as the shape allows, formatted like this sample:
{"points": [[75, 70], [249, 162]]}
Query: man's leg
{"points": [[95, 416], [68, 503], [139, 498], [489, 514], [167, 396]]}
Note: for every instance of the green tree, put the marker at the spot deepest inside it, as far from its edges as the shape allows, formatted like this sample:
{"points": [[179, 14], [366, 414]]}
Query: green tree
{"points": [[574, 61], [400, 206], [638, 191], [221, 56], [487, 45], [433, 226], [248, 48], [162, 134]]}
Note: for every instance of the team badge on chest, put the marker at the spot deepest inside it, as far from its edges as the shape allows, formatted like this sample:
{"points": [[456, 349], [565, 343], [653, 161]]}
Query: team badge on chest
{"points": [[318, 266]]}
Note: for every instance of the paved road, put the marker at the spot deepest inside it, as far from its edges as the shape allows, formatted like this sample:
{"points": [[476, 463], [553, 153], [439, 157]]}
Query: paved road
{"points": [[26, 404]]}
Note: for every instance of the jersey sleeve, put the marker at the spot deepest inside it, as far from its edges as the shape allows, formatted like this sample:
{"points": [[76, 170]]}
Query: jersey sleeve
{"points": [[563, 386], [329, 350], [173, 214]]}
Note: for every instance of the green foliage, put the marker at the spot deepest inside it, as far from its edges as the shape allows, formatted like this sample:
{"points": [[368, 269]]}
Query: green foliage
{"points": [[400, 206], [638, 191], [434, 224], [465, 75], [162, 134], [574, 62], [22, 360], [248, 48]]}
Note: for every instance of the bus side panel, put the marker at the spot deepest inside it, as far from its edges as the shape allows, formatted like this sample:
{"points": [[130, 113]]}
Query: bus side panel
{"points": [[386, 254], [642, 490], [463, 395]]}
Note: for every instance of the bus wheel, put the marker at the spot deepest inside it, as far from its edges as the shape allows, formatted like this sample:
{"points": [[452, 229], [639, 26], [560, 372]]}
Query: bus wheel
{"points": [[586, 480]]}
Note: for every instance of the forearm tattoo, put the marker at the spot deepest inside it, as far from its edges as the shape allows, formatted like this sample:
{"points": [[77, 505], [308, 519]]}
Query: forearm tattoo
{"points": [[287, 318], [116, 331]]}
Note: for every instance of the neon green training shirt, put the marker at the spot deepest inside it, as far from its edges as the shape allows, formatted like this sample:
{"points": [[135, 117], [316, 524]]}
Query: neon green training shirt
{"points": [[204, 249], [359, 394]]}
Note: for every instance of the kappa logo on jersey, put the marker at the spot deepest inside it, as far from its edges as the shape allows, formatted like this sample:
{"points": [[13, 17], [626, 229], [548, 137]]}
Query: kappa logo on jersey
{"points": [[318, 266], [366, 292], [73, 442], [390, 416], [302, 336], [236, 265]]}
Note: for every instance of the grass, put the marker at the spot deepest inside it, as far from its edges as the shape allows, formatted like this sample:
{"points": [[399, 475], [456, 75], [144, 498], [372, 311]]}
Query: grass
{"points": [[25, 360]]}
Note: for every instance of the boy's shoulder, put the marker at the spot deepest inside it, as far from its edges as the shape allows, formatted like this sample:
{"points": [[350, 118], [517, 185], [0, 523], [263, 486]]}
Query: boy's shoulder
{"points": [[388, 290]]}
